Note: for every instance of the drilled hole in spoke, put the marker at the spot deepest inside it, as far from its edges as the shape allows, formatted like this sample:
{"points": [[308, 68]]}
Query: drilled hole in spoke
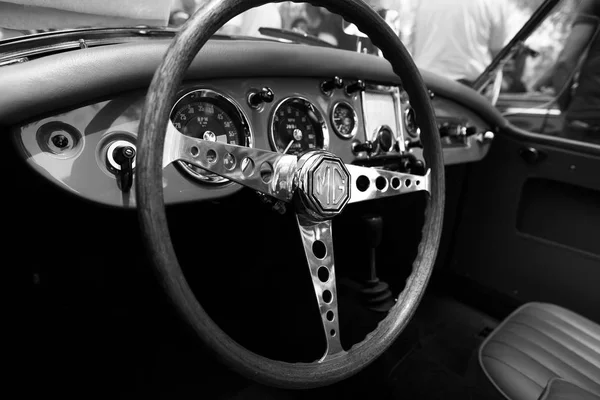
{"points": [[332, 332], [247, 167], [418, 183], [229, 161], [211, 156], [407, 183], [266, 172], [323, 274], [396, 182], [327, 296], [194, 151], [330, 316], [381, 183], [363, 183], [319, 249]]}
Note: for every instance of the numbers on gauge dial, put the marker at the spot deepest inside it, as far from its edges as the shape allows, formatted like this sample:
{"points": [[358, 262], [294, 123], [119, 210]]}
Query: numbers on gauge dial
{"points": [[296, 127]]}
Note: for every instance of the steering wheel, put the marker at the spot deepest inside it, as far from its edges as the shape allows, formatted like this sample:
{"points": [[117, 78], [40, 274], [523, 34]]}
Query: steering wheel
{"points": [[317, 184]]}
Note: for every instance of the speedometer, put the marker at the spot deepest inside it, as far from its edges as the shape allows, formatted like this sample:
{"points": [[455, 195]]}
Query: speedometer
{"points": [[297, 126], [208, 115]]}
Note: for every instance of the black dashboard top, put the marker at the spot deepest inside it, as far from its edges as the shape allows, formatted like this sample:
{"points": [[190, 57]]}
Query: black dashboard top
{"points": [[71, 78]]}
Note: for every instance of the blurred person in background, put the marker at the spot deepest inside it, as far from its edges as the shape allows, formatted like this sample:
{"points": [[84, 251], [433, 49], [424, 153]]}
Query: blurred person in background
{"points": [[579, 61], [247, 23], [459, 38]]}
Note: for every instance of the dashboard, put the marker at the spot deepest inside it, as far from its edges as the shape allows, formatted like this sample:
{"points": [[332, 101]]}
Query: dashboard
{"points": [[90, 150]]}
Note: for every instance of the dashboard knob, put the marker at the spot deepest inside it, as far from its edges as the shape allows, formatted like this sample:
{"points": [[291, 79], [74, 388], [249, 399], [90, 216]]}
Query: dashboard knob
{"points": [[330, 85], [486, 136], [357, 86], [368, 147], [265, 95], [385, 139]]}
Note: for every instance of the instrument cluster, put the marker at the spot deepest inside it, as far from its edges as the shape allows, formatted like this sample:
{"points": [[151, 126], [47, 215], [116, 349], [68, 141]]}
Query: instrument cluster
{"points": [[299, 123]]}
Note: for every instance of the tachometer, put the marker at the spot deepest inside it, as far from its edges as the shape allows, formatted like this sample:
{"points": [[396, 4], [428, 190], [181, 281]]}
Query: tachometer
{"points": [[297, 126], [209, 115], [344, 120]]}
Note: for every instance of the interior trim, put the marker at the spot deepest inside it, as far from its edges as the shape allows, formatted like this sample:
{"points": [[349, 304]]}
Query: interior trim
{"points": [[555, 141]]}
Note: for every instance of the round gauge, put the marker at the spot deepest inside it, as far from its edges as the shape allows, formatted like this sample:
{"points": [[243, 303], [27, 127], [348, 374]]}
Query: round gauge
{"points": [[297, 126], [344, 120], [208, 115], [410, 122]]}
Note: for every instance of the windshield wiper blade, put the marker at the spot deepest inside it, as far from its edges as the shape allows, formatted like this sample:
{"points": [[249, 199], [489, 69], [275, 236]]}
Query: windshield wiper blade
{"points": [[295, 36]]}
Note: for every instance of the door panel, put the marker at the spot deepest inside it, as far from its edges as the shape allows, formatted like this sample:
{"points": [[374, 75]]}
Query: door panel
{"points": [[530, 226], [533, 112]]}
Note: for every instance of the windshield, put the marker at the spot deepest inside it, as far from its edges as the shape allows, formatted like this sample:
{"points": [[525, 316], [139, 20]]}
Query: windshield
{"points": [[453, 38]]}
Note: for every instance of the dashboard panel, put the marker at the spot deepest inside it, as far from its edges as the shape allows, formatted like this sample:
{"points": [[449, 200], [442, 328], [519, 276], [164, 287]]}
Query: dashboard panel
{"points": [[90, 150]]}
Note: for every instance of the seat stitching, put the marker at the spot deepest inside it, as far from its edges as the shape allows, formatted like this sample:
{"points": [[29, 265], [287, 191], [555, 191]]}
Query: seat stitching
{"points": [[558, 342], [560, 329], [526, 355], [515, 369], [574, 325], [578, 324], [547, 351]]}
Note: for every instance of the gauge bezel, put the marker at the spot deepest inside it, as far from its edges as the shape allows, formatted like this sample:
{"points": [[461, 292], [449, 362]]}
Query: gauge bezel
{"points": [[207, 177], [413, 134], [308, 104], [352, 134]]}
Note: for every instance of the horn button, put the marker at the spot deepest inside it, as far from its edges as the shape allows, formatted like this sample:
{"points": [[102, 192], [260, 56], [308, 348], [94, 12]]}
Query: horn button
{"points": [[325, 185]]}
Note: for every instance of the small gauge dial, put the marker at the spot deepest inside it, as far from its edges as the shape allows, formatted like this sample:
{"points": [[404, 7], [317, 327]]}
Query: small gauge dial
{"points": [[297, 126], [208, 115], [344, 120], [410, 122]]}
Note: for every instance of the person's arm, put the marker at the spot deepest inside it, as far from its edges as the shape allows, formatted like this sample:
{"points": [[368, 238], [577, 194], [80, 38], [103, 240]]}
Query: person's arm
{"points": [[583, 30]]}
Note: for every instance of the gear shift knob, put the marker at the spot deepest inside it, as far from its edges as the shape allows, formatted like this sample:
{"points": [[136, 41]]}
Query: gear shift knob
{"points": [[374, 229]]}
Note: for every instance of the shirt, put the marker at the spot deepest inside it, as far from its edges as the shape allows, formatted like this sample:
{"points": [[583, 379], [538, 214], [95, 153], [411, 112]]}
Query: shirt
{"points": [[456, 38]]}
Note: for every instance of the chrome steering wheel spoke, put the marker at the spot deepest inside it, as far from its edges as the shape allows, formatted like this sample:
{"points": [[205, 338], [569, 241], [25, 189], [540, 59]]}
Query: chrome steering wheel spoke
{"points": [[372, 183], [318, 247], [264, 171]]}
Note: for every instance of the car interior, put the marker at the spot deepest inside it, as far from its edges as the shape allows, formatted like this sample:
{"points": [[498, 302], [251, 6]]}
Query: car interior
{"points": [[168, 190]]}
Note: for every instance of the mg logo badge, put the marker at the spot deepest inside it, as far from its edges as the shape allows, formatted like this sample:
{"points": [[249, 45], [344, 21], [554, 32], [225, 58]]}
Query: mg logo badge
{"points": [[330, 185]]}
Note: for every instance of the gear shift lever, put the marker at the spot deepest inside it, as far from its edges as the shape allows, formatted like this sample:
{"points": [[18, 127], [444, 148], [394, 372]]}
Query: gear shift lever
{"points": [[376, 293]]}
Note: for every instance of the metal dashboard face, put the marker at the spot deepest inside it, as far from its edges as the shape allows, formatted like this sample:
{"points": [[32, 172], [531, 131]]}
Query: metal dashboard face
{"points": [[72, 149], [84, 171]]}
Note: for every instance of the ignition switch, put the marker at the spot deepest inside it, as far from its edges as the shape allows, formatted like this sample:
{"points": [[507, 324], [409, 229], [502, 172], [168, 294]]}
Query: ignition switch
{"points": [[121, 160], [124, 157]]}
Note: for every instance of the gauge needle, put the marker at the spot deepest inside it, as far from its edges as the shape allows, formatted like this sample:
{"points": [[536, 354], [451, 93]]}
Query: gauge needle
{"points": [[288, 146]]}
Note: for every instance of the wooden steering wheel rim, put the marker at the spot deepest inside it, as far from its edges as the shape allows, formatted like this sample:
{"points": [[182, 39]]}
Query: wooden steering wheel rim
{"points": [[151, 209]]}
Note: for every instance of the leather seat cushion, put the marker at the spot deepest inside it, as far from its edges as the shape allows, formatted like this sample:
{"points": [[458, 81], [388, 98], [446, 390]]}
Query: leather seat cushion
{"points": [[559, 389], [539, 342]]}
